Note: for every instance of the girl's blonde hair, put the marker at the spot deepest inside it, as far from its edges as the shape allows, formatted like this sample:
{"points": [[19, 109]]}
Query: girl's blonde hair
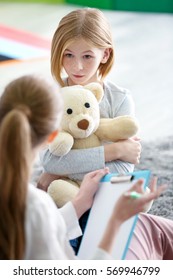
{"points": [[89, 24], [29, 112]]}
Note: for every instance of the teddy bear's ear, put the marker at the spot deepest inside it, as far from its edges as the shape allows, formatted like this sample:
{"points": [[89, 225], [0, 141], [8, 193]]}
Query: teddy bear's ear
{"points": [[96, 89]]}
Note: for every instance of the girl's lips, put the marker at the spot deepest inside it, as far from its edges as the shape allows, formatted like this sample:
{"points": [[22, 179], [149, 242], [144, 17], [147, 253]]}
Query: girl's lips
{"points": [[78, 76]]}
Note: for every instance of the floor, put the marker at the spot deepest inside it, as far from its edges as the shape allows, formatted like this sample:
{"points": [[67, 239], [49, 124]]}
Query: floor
{"points": [[144, 58]]}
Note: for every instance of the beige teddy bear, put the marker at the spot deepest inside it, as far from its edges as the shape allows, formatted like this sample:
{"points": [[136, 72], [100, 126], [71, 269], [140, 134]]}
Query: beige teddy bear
{"points": [[82, 128]]}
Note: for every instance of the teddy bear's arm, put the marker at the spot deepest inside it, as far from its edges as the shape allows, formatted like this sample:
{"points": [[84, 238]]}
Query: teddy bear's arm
{"points": [[118, 128], [62, 144]]}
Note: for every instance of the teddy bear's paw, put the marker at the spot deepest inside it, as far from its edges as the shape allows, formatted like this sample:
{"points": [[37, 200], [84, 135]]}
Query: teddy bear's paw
{"points": [[62, 144], [62, 191], [149, 204], [129, 124], [124, 127], [118, 128]]}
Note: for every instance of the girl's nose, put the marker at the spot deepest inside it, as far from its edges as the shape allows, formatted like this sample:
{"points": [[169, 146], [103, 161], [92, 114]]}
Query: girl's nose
{"points": [[78, 65]]}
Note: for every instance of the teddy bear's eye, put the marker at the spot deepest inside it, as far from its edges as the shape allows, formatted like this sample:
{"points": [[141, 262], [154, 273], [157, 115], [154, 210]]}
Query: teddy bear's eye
{"points": [[87, 105], [69, 111]]}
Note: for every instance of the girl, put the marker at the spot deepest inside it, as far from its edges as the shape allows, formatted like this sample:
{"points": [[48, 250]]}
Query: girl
{"points": [[31, 226], [82, 45]]}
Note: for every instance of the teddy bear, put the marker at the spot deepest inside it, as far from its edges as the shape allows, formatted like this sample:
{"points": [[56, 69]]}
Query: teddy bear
{"points": [[81, 128]]}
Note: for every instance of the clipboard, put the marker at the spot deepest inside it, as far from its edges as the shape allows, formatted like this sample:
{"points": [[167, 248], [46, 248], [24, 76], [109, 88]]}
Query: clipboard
{"points": [[111, 187]]}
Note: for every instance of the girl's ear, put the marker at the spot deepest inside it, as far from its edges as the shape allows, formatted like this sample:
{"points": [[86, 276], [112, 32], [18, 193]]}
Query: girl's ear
{"points": [[106, 55], [52, 136]]}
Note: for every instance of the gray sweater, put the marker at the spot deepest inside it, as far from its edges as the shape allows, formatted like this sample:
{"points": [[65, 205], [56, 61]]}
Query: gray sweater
{"points": [[116, 102]]}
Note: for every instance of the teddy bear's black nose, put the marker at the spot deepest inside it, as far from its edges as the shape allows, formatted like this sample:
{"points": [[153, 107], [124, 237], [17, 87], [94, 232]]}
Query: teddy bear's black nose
{"points": [[83, 124]]}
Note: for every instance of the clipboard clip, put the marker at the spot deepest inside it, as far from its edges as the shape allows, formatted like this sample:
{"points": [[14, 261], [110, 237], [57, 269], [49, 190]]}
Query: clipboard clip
{"points": [[121, 178]]}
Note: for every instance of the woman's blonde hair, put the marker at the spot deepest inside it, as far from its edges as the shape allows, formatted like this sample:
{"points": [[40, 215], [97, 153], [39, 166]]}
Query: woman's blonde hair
{"points": [[29, 112], [89, 24]]}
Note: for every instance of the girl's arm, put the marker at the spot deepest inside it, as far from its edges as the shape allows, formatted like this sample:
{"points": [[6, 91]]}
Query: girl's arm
{"points": [[76, 162], [126, 150], [79, 162], [74, 166]]}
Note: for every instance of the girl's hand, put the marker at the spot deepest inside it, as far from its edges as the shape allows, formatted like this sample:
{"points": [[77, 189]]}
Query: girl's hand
{"points": [[126, 206], [126, 150], [45, 180], [89, 186]]}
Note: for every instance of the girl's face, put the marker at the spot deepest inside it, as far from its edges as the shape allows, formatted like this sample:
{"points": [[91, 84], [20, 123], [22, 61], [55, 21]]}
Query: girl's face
{"points": [[81, 62]]}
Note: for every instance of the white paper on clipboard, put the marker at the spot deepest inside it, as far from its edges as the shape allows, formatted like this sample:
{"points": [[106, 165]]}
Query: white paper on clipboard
{"points": [[104, 202]]}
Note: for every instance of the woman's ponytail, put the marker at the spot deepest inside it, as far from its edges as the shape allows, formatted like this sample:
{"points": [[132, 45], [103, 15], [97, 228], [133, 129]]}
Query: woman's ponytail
{"points": [[15, 162]]}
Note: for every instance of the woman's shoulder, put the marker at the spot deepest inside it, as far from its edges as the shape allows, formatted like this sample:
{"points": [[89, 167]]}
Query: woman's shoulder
{"points": [[36, 195], [41, 208], [38, 199], [44, 226]]}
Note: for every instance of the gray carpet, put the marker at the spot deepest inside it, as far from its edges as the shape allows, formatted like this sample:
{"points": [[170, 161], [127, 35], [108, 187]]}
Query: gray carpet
{"points": [[158, 157]]}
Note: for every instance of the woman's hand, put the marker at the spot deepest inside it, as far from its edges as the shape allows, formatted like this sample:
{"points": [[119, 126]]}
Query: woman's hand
{"points": [[89, 186], [126, 206], [126, 150]]}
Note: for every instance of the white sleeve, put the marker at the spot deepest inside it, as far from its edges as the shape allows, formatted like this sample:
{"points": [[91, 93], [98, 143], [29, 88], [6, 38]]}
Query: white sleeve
{"points": [[100, 254], [46, 232], [71, 220]]}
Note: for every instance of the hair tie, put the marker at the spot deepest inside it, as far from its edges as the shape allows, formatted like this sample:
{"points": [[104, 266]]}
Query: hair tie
{"points": [[24, 109]]}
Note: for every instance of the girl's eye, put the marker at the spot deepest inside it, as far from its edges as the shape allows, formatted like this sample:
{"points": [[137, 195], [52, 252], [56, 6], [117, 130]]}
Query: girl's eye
{"points": [[87, 56], [68, 55]]}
